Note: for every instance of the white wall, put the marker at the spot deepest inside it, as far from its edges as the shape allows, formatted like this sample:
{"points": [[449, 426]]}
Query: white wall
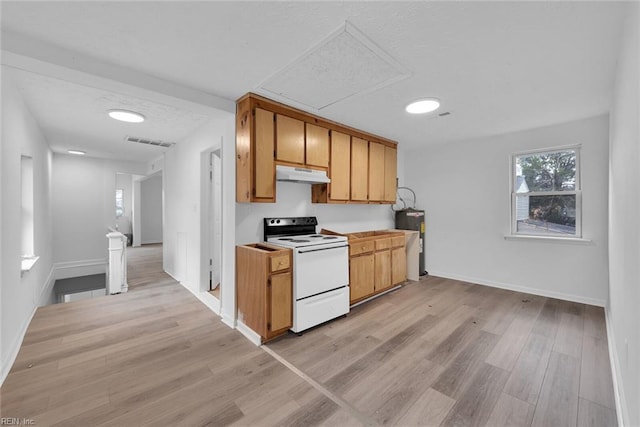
{"points": [[83, 209], [183, 214], [294, 199], [21, 135], [151, 209], [464, 189], [624, 231]]}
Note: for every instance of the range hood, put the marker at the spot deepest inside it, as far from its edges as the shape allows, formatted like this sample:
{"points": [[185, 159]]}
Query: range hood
{"points": [[303, 175]]}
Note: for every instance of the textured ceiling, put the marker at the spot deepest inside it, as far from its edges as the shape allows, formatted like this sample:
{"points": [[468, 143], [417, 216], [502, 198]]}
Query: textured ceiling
{"points": [[345, 64], [498, 66], [75, 116]]}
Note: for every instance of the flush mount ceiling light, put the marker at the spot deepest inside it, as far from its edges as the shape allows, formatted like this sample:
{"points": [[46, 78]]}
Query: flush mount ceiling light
{"points": [[423, 106], [78, 152], [126, 116]]}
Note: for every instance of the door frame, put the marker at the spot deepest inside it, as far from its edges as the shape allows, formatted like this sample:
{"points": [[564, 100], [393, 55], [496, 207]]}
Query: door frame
{"points": [[208, 243]]}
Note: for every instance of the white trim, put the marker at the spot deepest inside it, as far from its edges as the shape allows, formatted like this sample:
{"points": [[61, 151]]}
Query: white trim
{"points": [[543, 293], [228, 319], [576, 147], [87, 267], [47, 288], [151, 242], [27, 263], [206, 298], [249, 333], [15, 348], [549, 239], [577, 191], [209, 300], [618, 390]]}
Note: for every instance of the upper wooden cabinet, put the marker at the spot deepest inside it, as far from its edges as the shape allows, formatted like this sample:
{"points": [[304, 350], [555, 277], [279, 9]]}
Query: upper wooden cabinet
{"points": [[390, 174], [359, 169], [376, 171], [317, 146], [289, 139], [340, 171], [255, 166], [264, 180], [362, 167]]}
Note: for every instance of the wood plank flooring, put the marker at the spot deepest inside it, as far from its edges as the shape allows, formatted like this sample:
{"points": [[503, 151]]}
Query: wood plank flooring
{"points": [[444, 352], [435, 352]]}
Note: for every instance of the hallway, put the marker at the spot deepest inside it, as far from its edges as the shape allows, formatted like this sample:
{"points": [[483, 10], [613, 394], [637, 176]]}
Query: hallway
{"points": [[144, 265], [153, 356]]}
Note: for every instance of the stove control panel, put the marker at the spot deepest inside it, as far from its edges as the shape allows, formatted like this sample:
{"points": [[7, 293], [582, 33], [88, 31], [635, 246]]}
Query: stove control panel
{"points": [[290, 226], [305, 220]]}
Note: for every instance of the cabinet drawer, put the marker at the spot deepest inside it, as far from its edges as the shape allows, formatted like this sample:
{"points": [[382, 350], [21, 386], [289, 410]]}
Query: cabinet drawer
{"points": [[383, 243], [280, 262], [397, 241], [360, 247]]}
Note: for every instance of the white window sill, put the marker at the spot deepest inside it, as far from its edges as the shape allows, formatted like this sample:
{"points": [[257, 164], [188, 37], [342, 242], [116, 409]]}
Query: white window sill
{"points": [[550, 239], [27, 263]]}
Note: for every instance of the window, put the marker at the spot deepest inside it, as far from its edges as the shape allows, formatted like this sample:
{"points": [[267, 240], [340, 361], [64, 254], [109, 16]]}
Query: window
{"points": [[27, 214], [119, 202], [545, 193]]}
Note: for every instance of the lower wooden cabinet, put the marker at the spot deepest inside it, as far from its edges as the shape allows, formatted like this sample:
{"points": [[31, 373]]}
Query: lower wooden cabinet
{"points": [[264, 288], [361, 274], [398, 259], [382, 270], [377, 262]]}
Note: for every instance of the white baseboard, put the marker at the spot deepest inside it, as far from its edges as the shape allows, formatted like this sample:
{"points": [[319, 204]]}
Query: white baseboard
{"points": [[525, 289], [618, 389], [228, 320], [47, 288], [209, 300], [15, 348], [249, 333], [151, 242], [206, 298], [87, 267]]}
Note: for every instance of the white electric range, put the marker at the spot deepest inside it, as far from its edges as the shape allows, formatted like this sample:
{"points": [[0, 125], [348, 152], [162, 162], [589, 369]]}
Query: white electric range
{"points": [[320, 269]]}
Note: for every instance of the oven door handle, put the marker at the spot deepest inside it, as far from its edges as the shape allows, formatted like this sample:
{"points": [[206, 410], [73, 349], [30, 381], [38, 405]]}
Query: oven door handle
{"points": [[302, 251]]}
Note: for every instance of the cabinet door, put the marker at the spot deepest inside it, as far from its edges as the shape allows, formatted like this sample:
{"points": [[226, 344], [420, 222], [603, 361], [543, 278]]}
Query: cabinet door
{"points": [[264, 179], [390, 173], [340, 170], [398, 265], [289, 139], [361, 269], [317, 146], [382, 270], [281, 305], [359, 168], [376, 171]]}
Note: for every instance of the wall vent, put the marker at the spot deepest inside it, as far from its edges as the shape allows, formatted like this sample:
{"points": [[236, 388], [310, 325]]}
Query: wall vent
{"points": [[147, 141]]}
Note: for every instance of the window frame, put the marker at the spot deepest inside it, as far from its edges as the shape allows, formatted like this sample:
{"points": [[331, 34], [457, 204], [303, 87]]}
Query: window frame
{"points": [[116, 202], [577, 192]]}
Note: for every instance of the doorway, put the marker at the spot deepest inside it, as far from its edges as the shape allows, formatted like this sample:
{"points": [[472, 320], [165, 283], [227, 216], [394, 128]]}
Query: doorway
{"points": [[212, 223]]}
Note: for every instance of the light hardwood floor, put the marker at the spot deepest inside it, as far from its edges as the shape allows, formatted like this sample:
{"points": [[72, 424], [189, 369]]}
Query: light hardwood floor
{"points": [[436, 352]]}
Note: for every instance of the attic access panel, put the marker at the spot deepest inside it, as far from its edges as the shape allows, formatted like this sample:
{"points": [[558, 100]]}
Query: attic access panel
{"points": [[345, 64]]}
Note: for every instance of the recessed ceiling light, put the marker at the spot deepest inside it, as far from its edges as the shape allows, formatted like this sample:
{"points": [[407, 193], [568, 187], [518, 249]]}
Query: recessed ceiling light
{"points": [[78, 152], [423, 106], [126, 116]]}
